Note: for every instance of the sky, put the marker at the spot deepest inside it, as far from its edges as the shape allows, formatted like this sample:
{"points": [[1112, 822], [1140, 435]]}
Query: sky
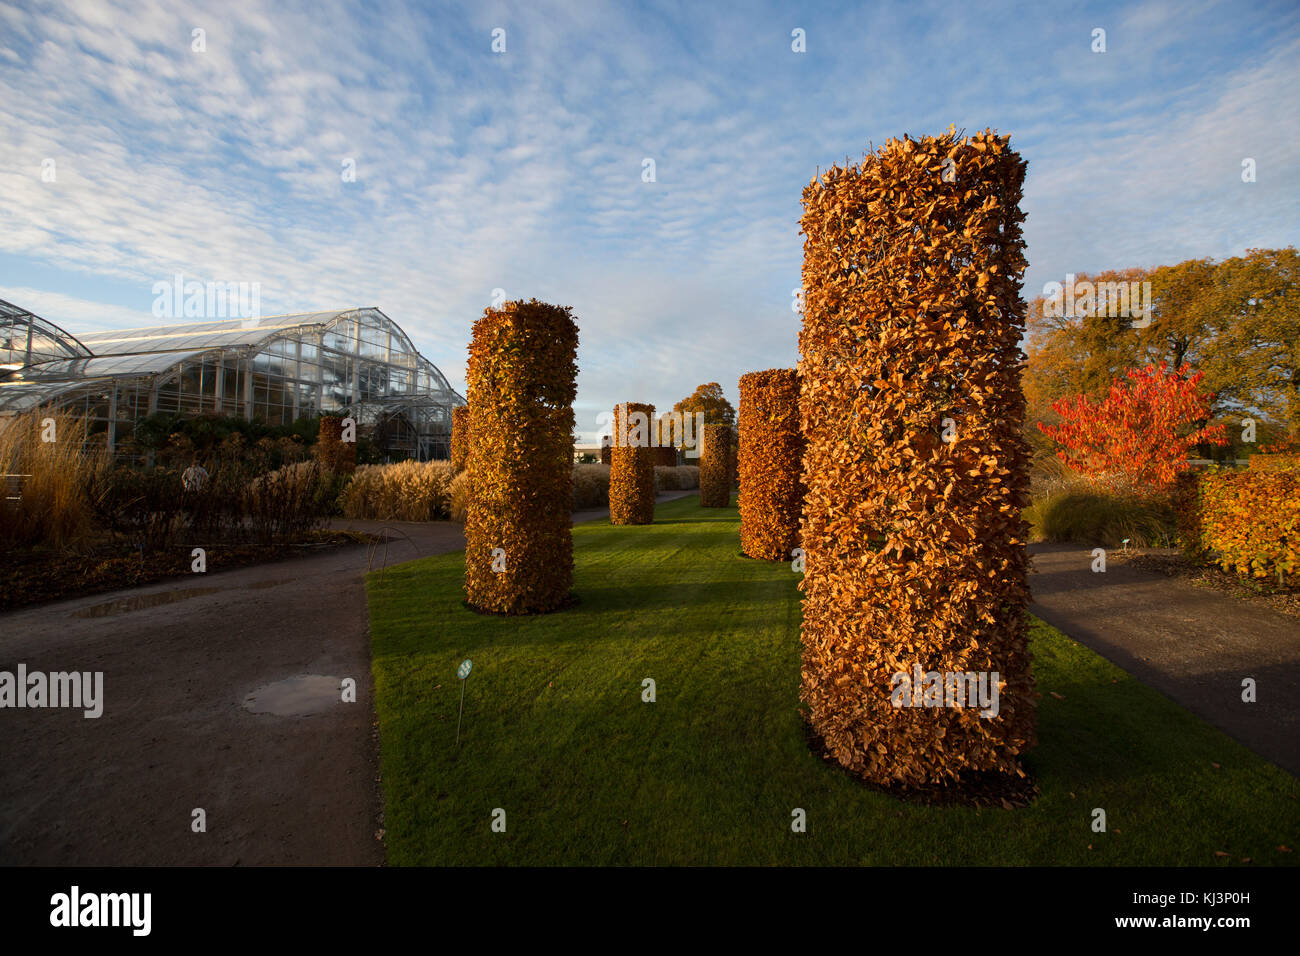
{"points": [[343, 154]]}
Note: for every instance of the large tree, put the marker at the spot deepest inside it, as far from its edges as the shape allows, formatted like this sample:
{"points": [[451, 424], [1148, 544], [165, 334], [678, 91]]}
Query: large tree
{"points": [[1257, 300], [1237, 321], [707, 398]]}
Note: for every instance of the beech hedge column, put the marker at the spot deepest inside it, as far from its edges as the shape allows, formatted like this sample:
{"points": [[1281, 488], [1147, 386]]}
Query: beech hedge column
{"points": [[518, 530], [459, 438], [915, 467], [632, 467], [770, 462], [717, 466]]}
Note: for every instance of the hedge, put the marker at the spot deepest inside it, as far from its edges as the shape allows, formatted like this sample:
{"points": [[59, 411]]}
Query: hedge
{"points": [[590, 486], [679, 478], [665, 456], [915, 545], [522, 382], [632, 470], [1247, 522], [1274, 462], [717, 466], [769, 463]]}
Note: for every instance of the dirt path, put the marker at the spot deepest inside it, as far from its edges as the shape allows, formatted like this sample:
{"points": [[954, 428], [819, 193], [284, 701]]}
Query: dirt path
{"points": [[1194, 645], [179, 660]]}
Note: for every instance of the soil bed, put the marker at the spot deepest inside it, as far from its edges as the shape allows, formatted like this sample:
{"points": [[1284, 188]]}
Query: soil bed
{"points": [[39, 576]]}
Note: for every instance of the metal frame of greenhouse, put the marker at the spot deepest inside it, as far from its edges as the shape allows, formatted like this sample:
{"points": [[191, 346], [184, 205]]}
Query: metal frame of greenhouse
{"points": [[275, 369]]}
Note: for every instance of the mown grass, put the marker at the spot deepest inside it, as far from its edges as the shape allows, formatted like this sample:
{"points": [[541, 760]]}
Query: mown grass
{"points": [[556, 733]]}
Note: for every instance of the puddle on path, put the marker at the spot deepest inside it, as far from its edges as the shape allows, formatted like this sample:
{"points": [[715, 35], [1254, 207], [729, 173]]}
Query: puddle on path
{"points": [[138, 602], [302, 696]]}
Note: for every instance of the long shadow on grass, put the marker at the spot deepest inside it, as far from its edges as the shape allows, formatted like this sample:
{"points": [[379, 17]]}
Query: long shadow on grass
{"points": [[661, 522], [728, 516], [616, 600], [682, 595]]}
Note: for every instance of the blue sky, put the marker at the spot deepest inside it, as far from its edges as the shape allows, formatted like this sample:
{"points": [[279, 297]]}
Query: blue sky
{"points": [[522, 170]]}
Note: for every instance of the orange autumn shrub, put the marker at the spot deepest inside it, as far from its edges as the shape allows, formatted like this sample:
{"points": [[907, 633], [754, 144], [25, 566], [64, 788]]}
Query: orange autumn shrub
{"points": [[1274, 462], [1247, 522], [717, 466], [331, 450], [1138, 437], [518, 531], [459, 437], [769, 463], [632, 468], [916, 471]]}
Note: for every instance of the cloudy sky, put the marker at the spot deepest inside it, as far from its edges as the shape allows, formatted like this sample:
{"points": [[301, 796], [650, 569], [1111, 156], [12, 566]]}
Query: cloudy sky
{"points": [[522, 170]]}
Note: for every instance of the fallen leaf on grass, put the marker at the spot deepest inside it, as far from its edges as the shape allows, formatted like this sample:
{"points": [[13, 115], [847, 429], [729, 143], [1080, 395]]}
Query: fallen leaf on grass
{"points": [[1057, 696]]}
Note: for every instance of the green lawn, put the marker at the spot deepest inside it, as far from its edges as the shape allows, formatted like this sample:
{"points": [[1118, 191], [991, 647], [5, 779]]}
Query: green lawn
{"points": [[556, 733]]}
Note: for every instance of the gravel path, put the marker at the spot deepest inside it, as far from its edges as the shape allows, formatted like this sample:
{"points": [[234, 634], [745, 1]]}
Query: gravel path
{"points": [[1192, 644], [180, 659]]}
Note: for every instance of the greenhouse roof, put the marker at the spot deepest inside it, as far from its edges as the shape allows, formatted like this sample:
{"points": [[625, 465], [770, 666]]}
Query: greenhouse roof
{"points": [[226, 333], [25, 334], [58, 361], [106, 366]]}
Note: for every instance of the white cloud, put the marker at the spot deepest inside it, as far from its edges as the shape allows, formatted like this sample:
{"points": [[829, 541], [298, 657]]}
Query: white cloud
{"points": [[523, 171], [73, 314]]}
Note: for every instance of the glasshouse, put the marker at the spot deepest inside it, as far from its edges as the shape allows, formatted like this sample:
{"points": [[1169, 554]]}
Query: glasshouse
{"points": [[277, 369]]}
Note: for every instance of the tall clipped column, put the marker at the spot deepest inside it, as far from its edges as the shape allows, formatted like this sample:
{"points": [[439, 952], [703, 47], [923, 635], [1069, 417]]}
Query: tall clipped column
{"points": [[770, 462], [459, 438], [916, 472], [632, 468], [518, 530], [717, 461]]}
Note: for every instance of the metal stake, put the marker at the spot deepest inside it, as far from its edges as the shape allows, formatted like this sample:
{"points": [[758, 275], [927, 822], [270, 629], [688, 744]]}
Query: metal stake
{"points": [[462, 709]]}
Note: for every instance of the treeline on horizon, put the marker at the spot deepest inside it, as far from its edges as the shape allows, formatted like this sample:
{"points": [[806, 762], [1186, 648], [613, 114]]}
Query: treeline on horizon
{"points": [[1236, 320]]}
